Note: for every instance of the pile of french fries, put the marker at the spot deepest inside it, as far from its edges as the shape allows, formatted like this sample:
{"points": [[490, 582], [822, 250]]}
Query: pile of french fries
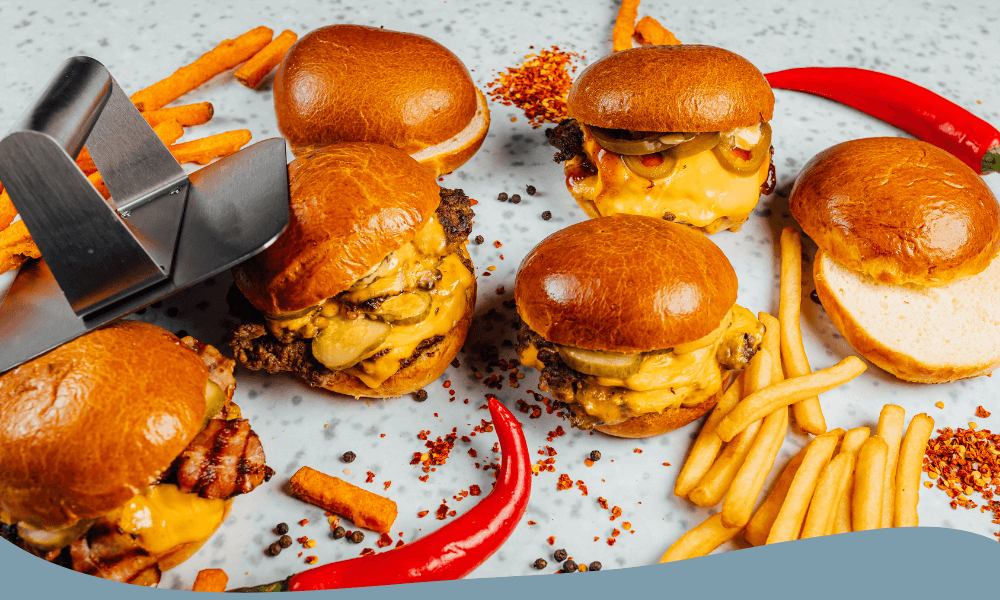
{"points": [[647, 32], [841, 481], [258, 53]]}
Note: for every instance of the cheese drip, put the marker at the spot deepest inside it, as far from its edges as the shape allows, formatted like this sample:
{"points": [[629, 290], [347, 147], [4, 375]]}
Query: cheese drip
{"points": [[164, 517], [699, 191], [687, 375]]}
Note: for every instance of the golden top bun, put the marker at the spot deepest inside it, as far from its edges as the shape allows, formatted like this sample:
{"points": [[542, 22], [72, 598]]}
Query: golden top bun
{"points": [[671, 88], [449, 155], [625, 283], [353, 83], [351, 204], [900, 210], [654, 424], [87, 425], [420, 373]]}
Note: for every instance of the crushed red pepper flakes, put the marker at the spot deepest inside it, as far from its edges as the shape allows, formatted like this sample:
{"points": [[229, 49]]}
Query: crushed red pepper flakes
{"points": [[386, 484], [474, 490], [371, 477], [615, 532], [367, 552], [626, 525], [538, 86], [497, 244], [551, 540], [615, 512], [582, 487], [311, 560], [611, 541], [603, 502], [637, 450], [565, 482], [384, 541], [442, 512], [588, 462], [304, 522], [422, 514], [965, 462], [982, 413]]}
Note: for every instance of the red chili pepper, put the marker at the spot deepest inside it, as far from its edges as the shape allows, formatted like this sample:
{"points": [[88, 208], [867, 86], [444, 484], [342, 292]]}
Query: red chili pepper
{"points": [[451, 552], [914, 109]]}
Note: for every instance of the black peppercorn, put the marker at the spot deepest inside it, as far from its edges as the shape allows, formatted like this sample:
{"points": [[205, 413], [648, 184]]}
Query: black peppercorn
{"points": [[420, 396], [560, 555], [595, 455], [515, 199], [357, 537], [668, 216], [339, 532], [547, 215], [570, 566], [594, 566], [531, 190], [502, 197], [282, 528], [540, 564], [814, 296], [348, 457], [285, 541], [274, 549], [479, 239]]}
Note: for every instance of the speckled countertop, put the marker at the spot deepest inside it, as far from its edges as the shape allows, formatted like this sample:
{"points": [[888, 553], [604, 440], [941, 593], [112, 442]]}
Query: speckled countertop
{"points": [[946, 47]]}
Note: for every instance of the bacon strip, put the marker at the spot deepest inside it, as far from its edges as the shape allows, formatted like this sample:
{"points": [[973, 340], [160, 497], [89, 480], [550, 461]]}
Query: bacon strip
{"points": [[220, 368], [224, 460], [106, 553]]}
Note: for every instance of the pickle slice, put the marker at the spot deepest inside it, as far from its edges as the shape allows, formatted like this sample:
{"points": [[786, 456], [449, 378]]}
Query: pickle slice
{"points": [[343, 343], [733, 158], [406, 308], [44, 539], [215, 401], [696, 145], [600, 364], [291, 316], [651, 166]]}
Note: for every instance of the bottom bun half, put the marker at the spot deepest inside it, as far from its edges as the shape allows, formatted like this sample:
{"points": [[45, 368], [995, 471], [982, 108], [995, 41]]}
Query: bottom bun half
{"points": [[924, 335], [423, 371], [658, 423]]}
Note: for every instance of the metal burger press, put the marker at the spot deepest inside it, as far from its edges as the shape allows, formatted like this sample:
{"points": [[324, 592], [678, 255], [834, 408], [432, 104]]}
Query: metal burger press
{"points": [[166, 231]]}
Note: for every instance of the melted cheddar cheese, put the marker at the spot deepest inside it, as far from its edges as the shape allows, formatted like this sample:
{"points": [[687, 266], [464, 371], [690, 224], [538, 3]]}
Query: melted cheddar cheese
{"points": [[686, 375], [163, 517], [699, 191]]}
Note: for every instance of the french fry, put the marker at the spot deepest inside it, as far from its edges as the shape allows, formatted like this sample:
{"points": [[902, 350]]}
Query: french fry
{"points": [[223, 57], [701, 540], [760, 524], [621, 35], [890, 429], [7, 210], [254, 70], [210, 580], [788, 523], [826, 499], [16, 247], [98, 181], [650, 33], [168, 132], [772, 343], [203, 151], [362, 507], [911, 456], [869, 485], [707, 445], [760, 403], [850, 445], [808, 412], [187, 115]]}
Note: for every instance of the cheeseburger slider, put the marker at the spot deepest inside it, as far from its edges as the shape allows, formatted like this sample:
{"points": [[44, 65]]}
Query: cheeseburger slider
{"points": [[120, 452], [672, 132], [349, 83], [907, 264], [370, 291], [632, 322]]}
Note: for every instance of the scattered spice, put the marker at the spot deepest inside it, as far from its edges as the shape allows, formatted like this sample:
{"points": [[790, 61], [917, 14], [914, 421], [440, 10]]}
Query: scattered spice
{"points": [[339, 532], [357, 537], [282, 528], [637, 450], [594, 566], [474, 490], [422, 514], [479, 239], [386, 484], [540, 564], [546, 215], [615, 512], [384, 541], [274, 549], [939, 404], [570, 566], [311, 560], [515, 199], [603, 502], [420, 395], [626, 525], [560, 555], [303, 522], [538, 86], [814, 297], [348, 457], [502, 197], [595, 455], [982, 413], [367, 552], [285, 541], [615, 532], [531, 190], [965, 462], [551, 540], [442, 512], [370, 478], [565, 482]]}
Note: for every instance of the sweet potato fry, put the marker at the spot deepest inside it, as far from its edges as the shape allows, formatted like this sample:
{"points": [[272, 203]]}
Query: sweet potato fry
{"points": [[203, 151], [186, 115], [168, 132], [650, 33], [16, 247], [621, 35], [364, 508], [254, 70], [210, 580], [7, 210], [223, 57]]}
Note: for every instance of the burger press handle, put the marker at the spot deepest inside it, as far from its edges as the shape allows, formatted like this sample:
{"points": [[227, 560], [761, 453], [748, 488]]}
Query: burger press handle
{"points": [[166, 231]]}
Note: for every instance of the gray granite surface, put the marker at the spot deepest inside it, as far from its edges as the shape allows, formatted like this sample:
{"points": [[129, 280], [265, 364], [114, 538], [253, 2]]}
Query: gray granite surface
{"points": [[948, 47]]}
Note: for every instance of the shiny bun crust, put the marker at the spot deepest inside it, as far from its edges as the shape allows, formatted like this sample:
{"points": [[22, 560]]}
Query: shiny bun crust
{"points": [[671, 88], [87, 425], [351, 204], [355, 83], [900, 210], [624, 283], [426, 369], [654, 424]]}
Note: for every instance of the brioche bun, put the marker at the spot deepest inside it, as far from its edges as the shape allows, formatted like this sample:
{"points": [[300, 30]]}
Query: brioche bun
{"points": [[345, 83], [671, 88], [654, 424], [351, 204], [86, 426], [575, 289], [900, 210]]}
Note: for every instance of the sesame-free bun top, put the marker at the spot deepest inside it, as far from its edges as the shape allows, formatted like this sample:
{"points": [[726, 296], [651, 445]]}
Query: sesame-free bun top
{"points": [[671, 88], [355, 83], [86, 426], [351, 205], [625, 283], [900, 210]]}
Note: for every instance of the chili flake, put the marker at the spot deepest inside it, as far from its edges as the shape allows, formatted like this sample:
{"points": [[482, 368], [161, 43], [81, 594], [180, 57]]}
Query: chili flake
{"points": [[565, 482], [538, 86], [966, 461], [982, 413]]}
